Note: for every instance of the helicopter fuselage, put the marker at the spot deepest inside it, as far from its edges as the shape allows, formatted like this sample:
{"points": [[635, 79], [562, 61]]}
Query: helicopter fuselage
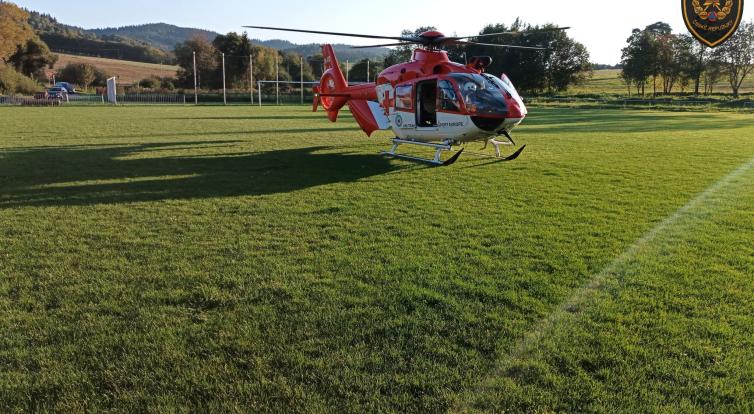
{"points": [[432, 99]]}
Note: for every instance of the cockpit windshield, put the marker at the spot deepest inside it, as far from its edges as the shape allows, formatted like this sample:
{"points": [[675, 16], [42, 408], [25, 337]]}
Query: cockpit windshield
{"points": [[481, 95], [508, 87]]}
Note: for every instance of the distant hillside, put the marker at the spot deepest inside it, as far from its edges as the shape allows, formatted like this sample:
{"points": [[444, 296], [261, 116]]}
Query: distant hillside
{"points": [[166, 36], [154, 42], [162, 35], [44, 23], [344, 52], [62, 38], [126, 71]]}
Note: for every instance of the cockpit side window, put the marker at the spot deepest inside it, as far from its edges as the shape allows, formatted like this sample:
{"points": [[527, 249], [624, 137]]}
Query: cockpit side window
{"points": [[448, 97], [404, 97], [480, 95]]}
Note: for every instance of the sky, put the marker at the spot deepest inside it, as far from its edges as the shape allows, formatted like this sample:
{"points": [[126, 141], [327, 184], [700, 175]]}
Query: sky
{"points": [[603, 26]]}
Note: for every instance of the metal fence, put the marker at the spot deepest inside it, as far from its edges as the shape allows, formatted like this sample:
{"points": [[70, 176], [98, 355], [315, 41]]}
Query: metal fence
{"points": [[123, 99], [29, 101], [151, 99], [86, 99]]}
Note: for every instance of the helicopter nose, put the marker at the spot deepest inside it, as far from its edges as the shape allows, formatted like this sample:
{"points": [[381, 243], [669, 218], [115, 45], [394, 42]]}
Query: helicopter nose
{"points": [[515, 110], [516, 113]]}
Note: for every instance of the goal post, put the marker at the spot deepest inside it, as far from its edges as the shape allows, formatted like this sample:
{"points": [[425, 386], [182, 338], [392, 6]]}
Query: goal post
{"points": [[112, 91], [286, 92]]}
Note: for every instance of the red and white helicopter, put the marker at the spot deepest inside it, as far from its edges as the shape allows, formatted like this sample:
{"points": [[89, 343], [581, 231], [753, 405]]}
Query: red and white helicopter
{"points": [[429, 101]]}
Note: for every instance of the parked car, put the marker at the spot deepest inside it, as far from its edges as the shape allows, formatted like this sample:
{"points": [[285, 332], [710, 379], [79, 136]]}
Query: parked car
{"points": [[67, 86], [57, 93]]}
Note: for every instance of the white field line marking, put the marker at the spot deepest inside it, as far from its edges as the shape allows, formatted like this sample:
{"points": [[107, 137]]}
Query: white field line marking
{"points": [[579, 297]]}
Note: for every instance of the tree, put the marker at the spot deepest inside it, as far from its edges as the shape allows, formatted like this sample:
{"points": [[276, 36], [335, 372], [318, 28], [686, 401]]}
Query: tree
{"points": [[737, 56], [713, 72], [700, 54], [237, 49], [33, 57], [675, 60], [206, 62], [264, 63], [564, 61], [292, 64], [659, 29], [567, 64], [316, 63], [82, 74], [14, 29], [359, 71], [639, 59], [12, 82]]}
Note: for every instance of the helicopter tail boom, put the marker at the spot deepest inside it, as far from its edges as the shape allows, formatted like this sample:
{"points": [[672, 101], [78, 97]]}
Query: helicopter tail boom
{"points": [[333, 93]]}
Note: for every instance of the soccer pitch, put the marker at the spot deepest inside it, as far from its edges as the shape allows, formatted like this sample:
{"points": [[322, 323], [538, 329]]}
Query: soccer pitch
{"points": [[243, 259]]}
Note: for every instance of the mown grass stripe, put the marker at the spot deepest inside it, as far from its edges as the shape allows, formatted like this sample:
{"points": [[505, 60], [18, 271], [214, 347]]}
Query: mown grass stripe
{"points": [[574, 304]]}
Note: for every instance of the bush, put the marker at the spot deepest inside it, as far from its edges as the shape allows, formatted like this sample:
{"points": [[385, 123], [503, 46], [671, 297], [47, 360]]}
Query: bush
{"points": [[12, 82], [156, 83], [168, 83], [83, 75], [100, 77], [151, 82]]}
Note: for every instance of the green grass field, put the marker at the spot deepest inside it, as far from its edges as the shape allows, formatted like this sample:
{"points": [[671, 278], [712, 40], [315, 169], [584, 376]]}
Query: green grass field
{"points": [[607, 81], [236, 259]]}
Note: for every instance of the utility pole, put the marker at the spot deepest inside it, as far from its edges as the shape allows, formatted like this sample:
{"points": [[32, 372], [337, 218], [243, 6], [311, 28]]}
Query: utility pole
{"points": [[348, 70], [302, 80], [196, 87], [225, 94], [277, 78], [251, 78], [368, 71]]}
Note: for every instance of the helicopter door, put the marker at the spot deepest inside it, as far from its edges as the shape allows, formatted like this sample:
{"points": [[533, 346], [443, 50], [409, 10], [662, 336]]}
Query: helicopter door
{"points": [[426, 104]]}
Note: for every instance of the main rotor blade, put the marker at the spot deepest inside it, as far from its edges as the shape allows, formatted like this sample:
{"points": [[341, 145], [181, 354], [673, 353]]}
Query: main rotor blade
{"points": [[404, 39], [552, 29], [459, 42], [385, 45]]}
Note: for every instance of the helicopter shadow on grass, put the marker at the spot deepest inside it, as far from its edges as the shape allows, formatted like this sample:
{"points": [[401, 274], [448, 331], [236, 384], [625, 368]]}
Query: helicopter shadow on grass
{"points": [[250, 132], [90, 175], [314, 116]]}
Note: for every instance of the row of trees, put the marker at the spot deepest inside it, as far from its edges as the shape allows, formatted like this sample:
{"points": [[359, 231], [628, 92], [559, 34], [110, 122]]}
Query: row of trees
{"points": [[239, 54], [562, 64], [655, 57]]}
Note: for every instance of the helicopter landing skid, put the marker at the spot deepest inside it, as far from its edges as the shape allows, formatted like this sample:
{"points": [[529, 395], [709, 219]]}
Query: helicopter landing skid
{"points": [[500, 158], [497, 144], [437, 160]]}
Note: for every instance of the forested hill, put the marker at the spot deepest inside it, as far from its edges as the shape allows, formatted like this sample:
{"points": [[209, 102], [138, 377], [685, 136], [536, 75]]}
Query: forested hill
{"points": [[166, 36], [162, 35], [155, 42], [64, 38]]}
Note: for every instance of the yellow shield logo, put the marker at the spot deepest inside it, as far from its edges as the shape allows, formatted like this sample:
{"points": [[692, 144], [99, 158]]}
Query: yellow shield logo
{"points": [[712, 22]]}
